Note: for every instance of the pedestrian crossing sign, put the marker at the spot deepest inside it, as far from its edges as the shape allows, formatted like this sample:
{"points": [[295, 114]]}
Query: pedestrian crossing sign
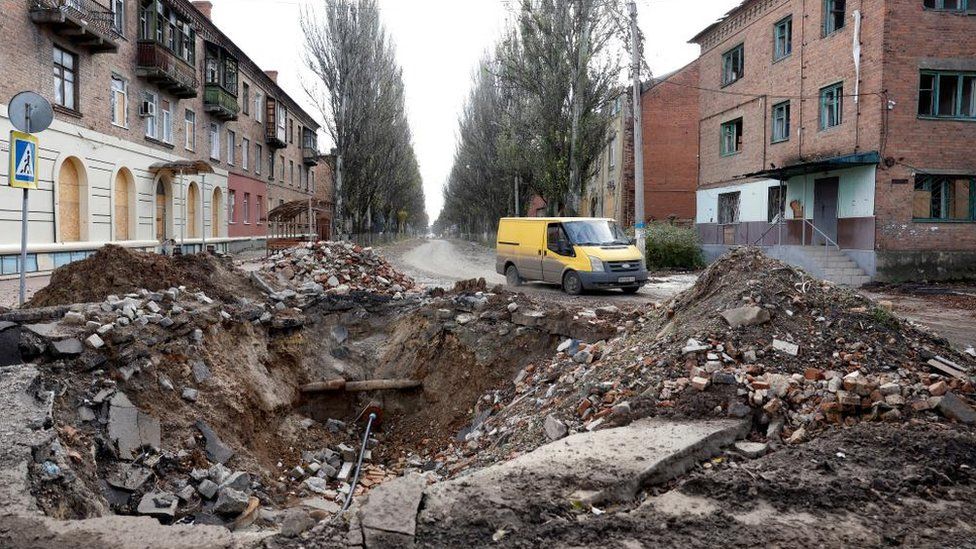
{"points": [[23, 160]]}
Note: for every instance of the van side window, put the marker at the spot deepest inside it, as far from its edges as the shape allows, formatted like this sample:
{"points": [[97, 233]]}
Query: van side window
{"points": [[556, 239]]}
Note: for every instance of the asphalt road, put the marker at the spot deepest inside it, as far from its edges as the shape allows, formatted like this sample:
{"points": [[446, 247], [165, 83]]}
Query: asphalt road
{"points": [[444, 262]]}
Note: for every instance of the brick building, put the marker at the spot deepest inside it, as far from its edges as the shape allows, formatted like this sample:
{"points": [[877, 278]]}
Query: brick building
{"points": [[141, 88], [840, 137], [605, 191]]}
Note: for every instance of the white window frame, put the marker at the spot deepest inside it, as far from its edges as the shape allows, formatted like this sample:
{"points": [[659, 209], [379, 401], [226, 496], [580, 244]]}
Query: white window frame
{"points": [[215, 141], [189, 130], [231, 145], [123, 95], [245, 153], [258, 154], [166, 123], [152, 122], [118, 16], [258, 106], [231, 206], [247, 208]]}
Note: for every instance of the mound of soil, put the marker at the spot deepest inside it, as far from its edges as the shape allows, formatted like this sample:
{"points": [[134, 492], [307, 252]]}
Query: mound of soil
{"points": [[118, 270]]}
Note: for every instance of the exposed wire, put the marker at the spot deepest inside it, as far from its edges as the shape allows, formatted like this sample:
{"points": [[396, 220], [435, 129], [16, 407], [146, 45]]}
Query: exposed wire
{"points": [[359, 466]]}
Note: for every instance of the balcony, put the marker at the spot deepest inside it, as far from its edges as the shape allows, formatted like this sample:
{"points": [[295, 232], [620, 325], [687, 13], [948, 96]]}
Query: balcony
{"points": [[162, 67], [310, 155], [220, 103], [85, 23]]}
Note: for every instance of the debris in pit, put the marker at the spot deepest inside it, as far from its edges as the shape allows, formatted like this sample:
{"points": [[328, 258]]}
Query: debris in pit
{"points": [[131, 429], [217, 451]]}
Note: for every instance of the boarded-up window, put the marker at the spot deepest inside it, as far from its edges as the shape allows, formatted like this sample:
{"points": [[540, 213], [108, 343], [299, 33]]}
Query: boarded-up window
{"points": [[944, 198], [728, 208]]}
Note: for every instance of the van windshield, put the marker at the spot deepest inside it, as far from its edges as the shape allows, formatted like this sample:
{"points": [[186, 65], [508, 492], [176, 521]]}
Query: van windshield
{"points": [[596, 232]]}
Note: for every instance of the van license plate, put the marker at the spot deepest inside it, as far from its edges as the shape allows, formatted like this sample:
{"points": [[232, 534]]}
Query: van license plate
{"points": [[626, 280]]}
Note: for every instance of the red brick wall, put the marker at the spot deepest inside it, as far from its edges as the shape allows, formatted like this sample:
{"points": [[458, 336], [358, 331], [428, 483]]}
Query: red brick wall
{"points": [[815, 62], [916, 39], [258, 190], [670, 132]]}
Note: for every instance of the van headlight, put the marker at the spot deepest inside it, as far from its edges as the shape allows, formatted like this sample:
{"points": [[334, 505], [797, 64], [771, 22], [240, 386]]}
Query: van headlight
{"points": [[596, 265]]}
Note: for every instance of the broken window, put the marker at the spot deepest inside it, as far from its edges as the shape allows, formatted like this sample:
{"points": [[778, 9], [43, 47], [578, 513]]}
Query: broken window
{"points": [[728, 208], [944, 198], [947, 95], [732, 137], [733, 64], [946, 5], [835, 12], [781, 122], [783, 38], [776, 205], [831, 106]]}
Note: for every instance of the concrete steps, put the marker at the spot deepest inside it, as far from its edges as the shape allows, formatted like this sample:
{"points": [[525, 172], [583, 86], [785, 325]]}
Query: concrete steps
{"points": [[836, 266]]}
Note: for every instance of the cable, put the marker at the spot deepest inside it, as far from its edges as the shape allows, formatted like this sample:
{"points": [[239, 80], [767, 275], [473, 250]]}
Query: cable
{"points": [[758, 95], [359, 466]]}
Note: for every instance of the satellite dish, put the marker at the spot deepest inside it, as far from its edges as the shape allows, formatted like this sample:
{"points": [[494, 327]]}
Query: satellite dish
{"points": [[29, 105]]}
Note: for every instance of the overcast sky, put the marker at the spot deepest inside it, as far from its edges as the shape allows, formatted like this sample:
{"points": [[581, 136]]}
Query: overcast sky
{"points": [[439, 43]]}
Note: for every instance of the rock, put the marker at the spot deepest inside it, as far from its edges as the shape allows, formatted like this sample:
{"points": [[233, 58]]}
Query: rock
{"points": [[700, 383], [693, 346], [207, 488], [158, 504], [187, 493], [130, 429], [749, 356], [67, 347], [347, 452], [583, 357], [199, 474], [217, 451], [528, 318], [201, 372], [938, 388], [165, 383], [190, 394], [239, 480], [568, 346], [751, 450], [104, 329], [230, 502], [786, 347], [72, 317], [345, 473], [391, 508], [295, 522], [798, 436], [95, 342], [746, 316], [890, 389], [130, 477], [317, 485], [555, 429], [512, 307], [85, 413], [953, 407]]}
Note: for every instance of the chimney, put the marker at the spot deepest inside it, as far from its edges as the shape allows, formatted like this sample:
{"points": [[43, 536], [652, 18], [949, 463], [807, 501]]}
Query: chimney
{"points": [[273, 75], [203, 7]]}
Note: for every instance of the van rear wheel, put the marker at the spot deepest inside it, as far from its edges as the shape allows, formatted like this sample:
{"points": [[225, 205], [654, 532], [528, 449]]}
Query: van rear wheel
{"points": [[512, 276], [572, 284]]}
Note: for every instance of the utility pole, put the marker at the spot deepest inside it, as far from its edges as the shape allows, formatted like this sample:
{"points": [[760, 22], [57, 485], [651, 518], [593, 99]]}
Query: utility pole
{"points": [[638, 132]]}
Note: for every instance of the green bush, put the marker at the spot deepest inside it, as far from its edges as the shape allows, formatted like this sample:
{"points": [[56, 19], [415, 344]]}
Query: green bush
{"points": [[671, 247]]}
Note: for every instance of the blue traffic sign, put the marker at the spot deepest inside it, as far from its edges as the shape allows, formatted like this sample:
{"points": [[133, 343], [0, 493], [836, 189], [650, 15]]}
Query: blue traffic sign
{"points": [[23, 160]]}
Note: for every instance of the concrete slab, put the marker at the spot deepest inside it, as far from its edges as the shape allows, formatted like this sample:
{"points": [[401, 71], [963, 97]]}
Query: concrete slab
{"points": [[392, 506], [608, 465], [131, 428]]}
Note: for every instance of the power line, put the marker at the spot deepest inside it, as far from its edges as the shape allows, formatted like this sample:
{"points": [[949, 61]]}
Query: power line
{"points": [[758, 95]]}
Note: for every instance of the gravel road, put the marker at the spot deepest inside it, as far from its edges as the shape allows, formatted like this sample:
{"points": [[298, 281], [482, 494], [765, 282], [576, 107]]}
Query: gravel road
{"points": [[444, 262]]}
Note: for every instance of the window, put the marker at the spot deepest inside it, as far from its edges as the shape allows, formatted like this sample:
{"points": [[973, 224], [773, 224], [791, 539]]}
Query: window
{"points": [[65, 82], [612, 154], [831, 106], [733, 64], [781, 122], [245, 98], [232, 206], [291, 172], [732, 137], [783, 39], [291, 130], [281, 168], [776, 204], [165, 26], [245, 153], [166, 117], [247, 208], [946, 5], [118, 16], [281, 117], [120, 102], [258, 107], [271, 165], [556, 239], [258, 158], [260, 204], [944, 198], [835, 12], [221, 68], [214, 141], [231, 147], [150, 111], [190, 130], [947, 95], [728, 208]]}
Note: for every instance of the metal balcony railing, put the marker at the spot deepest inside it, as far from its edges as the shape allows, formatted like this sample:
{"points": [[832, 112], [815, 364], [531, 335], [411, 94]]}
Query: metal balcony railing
{"points": [[96, 21], [157, 63], [220, 102]]}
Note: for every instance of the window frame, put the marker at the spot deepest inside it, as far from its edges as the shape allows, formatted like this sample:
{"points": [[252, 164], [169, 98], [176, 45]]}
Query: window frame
{"points": [[785, 108], [245, 98], [829, 24], [780, 192], [231, 206], [247, 208], [113, 101], [258, 107], [231, 147], [166, 121], [939, 6], [258, 153], [738, 206], [935, 95], [786, 22], [61, 71], [215, 141], [944, 179], [189, 130], [727, 59], [152, 120], [736, 125], [837, 90], [245, 153]]}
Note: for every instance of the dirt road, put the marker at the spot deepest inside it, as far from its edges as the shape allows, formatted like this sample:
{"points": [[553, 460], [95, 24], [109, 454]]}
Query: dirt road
{"points": [[444, 262]]}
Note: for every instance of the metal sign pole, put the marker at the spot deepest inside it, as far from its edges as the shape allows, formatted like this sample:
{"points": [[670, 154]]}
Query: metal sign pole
{"points": [[203, 211], [23, 228]]}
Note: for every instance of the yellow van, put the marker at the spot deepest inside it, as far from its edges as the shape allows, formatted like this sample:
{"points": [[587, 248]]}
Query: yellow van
{"points": [[578, 253]]}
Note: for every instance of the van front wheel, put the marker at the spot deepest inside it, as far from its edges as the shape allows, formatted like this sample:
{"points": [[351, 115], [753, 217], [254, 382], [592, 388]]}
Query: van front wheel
{"points": [[512, 276], [572, 284]]}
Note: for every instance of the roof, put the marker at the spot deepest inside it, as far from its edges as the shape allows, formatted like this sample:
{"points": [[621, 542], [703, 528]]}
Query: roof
{"points": [[186, 167], [289, 210], [695, 39], [820, 165]]}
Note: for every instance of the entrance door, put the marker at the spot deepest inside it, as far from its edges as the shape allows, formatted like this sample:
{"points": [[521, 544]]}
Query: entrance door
{"points": [[160, 211], [825, 208]]}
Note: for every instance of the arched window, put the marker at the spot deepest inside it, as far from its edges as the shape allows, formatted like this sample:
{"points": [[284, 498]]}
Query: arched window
{"points": [[217, 220], [125, 208], [193, 211], [72, 201], [161, 211]]}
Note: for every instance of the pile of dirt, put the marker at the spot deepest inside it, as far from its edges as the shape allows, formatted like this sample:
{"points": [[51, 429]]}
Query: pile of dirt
{"points": [[337, 267], [117, 270], [752, 338]]}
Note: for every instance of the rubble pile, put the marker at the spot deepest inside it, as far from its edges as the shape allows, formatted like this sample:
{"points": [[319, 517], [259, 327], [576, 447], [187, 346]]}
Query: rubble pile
{"points": [[117, 270], [335, 268], [753, 338]]}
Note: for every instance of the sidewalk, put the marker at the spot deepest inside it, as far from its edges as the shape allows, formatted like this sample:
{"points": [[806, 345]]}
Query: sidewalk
{"points": [[10, 289]]}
